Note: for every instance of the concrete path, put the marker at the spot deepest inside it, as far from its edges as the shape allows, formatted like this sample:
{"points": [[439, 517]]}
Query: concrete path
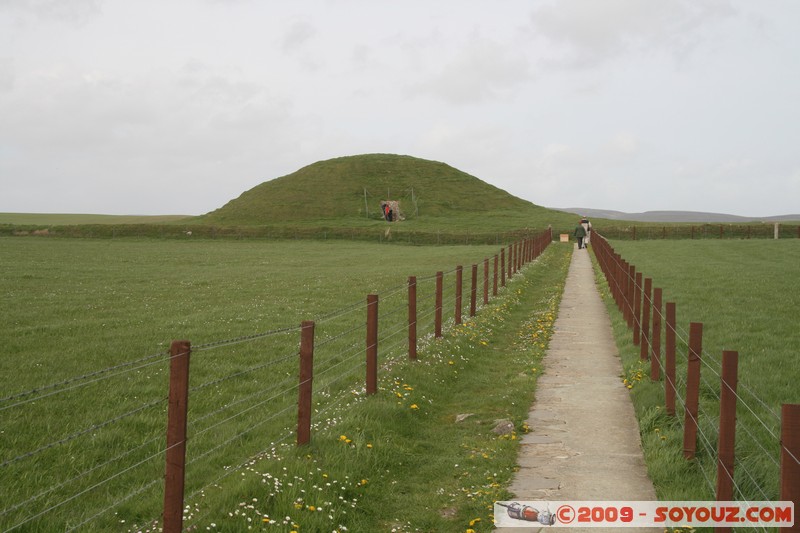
{"points": [[584, 439]]}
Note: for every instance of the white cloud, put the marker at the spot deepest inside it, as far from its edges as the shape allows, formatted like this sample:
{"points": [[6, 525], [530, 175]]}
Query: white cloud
{"points": [[481, 70], [598, 101], [71, 11], [591, 32], [7, 76], [297, 35]]}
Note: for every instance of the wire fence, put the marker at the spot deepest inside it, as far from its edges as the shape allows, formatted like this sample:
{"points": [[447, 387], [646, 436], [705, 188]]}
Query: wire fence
{"points": [[702, 231], [765, 453], [68, 465]]}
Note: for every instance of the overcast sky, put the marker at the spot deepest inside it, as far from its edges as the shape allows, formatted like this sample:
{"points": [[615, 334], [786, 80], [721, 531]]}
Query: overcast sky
{"points": [[177, 106]]}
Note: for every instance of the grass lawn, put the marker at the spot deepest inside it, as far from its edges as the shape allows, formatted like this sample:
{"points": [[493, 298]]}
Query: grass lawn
{"points": [[86, 324]]}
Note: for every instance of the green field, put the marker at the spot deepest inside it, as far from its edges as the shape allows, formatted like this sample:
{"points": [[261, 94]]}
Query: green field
{"points": [[64, 219], [743, 293], [87, 323]]}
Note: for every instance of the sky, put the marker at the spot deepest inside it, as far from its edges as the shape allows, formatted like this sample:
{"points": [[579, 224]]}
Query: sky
{"points": [[178, 106]]}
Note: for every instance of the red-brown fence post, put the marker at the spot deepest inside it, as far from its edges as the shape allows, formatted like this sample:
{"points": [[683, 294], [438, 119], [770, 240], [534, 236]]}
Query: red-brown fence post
{"points": [[669, 360], [637, 309], [412, 317], [474, 290], [790, 458], [727, 428], [510, 259], [175, 475], [692, 389], [459, 292], [372, 343], [306, 378], [502, 267], [437, 328], [655, 340], [485, 280], [494, 282], [629, 291], [646, 306]]}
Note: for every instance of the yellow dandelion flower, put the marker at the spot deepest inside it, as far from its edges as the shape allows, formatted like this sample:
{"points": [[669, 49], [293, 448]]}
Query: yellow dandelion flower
{"points": [[450, 362], [414, 406], [312, 508], [369, 445], [343, 437], [474, 521]]}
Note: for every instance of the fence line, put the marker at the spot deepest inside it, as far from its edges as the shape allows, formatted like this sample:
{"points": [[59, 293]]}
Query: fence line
{"points": [[631, 297], [701, 231], [342, 366]]}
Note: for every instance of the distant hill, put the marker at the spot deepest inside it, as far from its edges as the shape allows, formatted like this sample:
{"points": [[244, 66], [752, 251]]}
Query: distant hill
{"points": [[348, 191], [676, 216]]}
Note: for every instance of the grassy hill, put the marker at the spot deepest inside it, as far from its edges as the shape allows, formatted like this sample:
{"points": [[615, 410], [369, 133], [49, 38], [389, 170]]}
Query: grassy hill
{"points": [[347, 191]]}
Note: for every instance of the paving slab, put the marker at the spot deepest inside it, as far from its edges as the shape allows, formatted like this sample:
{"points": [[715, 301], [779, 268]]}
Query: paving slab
{"points": [[584, 441]]}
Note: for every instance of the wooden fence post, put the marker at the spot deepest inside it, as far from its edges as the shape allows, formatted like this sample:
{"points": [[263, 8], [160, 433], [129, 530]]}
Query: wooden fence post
{"points": [[637, 309], [655, 340], [485, 280], [669, 360], [727, 428], [459, 291], [646, 306], [692, 389], [473, 291], [175, 475], [494, 282], [790, 458], [510, 259], [437, 327], [412, 317], [372, 343], [306, 377], [503, 267], [629, 291]]}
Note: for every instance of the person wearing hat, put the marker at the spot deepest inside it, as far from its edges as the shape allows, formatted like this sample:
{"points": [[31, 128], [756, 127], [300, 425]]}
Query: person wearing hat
{"points": [[580, 233]]}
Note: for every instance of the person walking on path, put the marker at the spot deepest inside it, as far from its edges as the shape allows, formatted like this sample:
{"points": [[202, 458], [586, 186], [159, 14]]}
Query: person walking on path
{"points": [[588, 227], [584, 442], [580, 233]]}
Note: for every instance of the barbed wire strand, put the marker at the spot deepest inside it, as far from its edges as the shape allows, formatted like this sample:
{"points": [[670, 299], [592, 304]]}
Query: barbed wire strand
{"points": [[80, 433], [230, 471], [340, 312], [96, 485], [79, 385], [240, 413], [244, 338], [77, 477], [78, 378], [238, 435], [115, 504], [284, 382], [272, 362]]}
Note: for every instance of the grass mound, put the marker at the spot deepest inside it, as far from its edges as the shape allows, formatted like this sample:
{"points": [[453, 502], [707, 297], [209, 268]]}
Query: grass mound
{"points": [[350, 189]]}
